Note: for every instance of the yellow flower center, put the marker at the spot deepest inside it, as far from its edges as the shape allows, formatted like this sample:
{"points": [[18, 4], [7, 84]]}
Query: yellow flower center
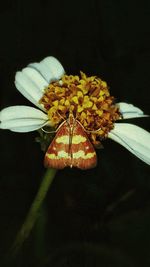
{"points": [[89, 100]]}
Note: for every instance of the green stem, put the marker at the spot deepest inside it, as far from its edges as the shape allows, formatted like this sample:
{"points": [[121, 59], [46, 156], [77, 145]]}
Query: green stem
{"points": [[40, 233], [33, 212]]}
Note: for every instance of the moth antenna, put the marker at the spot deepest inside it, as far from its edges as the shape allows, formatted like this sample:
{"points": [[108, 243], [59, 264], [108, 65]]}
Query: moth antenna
{"points": [[61, 116], [55, 131], [76, 117]]}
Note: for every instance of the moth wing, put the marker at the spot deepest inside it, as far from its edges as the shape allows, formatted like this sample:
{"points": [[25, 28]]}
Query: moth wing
{"points": [[82, 151], [58, 153]]}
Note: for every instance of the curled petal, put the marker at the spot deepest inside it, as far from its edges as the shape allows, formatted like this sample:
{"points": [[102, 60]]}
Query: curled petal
{"points": [[129, 111], [22, 119], [50, 68], [36, 78], [27, 87], [133, 138]]}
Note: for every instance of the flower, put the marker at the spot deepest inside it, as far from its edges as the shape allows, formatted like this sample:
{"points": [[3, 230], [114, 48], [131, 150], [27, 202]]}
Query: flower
{"points": [[56, 94]]}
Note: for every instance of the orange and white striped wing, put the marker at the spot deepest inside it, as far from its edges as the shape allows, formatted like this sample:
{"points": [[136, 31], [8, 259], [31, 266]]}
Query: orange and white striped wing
{"points": [[83, 154], [58, 154]]}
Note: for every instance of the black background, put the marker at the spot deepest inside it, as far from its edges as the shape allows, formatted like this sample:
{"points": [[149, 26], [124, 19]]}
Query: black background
{"points": [[84, 220]]}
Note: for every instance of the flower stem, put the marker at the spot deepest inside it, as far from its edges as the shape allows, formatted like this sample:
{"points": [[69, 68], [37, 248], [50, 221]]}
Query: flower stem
{"points": [[40, 234], [33, 212]]}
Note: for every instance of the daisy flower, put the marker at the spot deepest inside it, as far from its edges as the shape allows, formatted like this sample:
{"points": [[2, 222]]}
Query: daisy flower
{"points": [[57, 95]]}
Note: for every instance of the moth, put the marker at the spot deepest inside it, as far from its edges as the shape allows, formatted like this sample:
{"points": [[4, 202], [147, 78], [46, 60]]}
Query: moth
{"points": [[70, 147]]}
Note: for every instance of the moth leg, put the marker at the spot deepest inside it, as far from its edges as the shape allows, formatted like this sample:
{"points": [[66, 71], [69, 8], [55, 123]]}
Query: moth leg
{"points": [[48, 131]]}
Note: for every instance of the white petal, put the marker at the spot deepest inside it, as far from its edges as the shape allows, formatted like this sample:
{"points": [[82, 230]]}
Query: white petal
{"points": [[28, 88], [133, 138], [22, 118], [32, 81], [129, 111], [21, 122], [50, 68], [36, 78], [25, 129], [16, 112]]}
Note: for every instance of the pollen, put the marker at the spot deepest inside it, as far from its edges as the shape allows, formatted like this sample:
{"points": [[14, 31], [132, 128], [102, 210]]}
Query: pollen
{"points": [[75, 99], [88, 98], [55, 103]]}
